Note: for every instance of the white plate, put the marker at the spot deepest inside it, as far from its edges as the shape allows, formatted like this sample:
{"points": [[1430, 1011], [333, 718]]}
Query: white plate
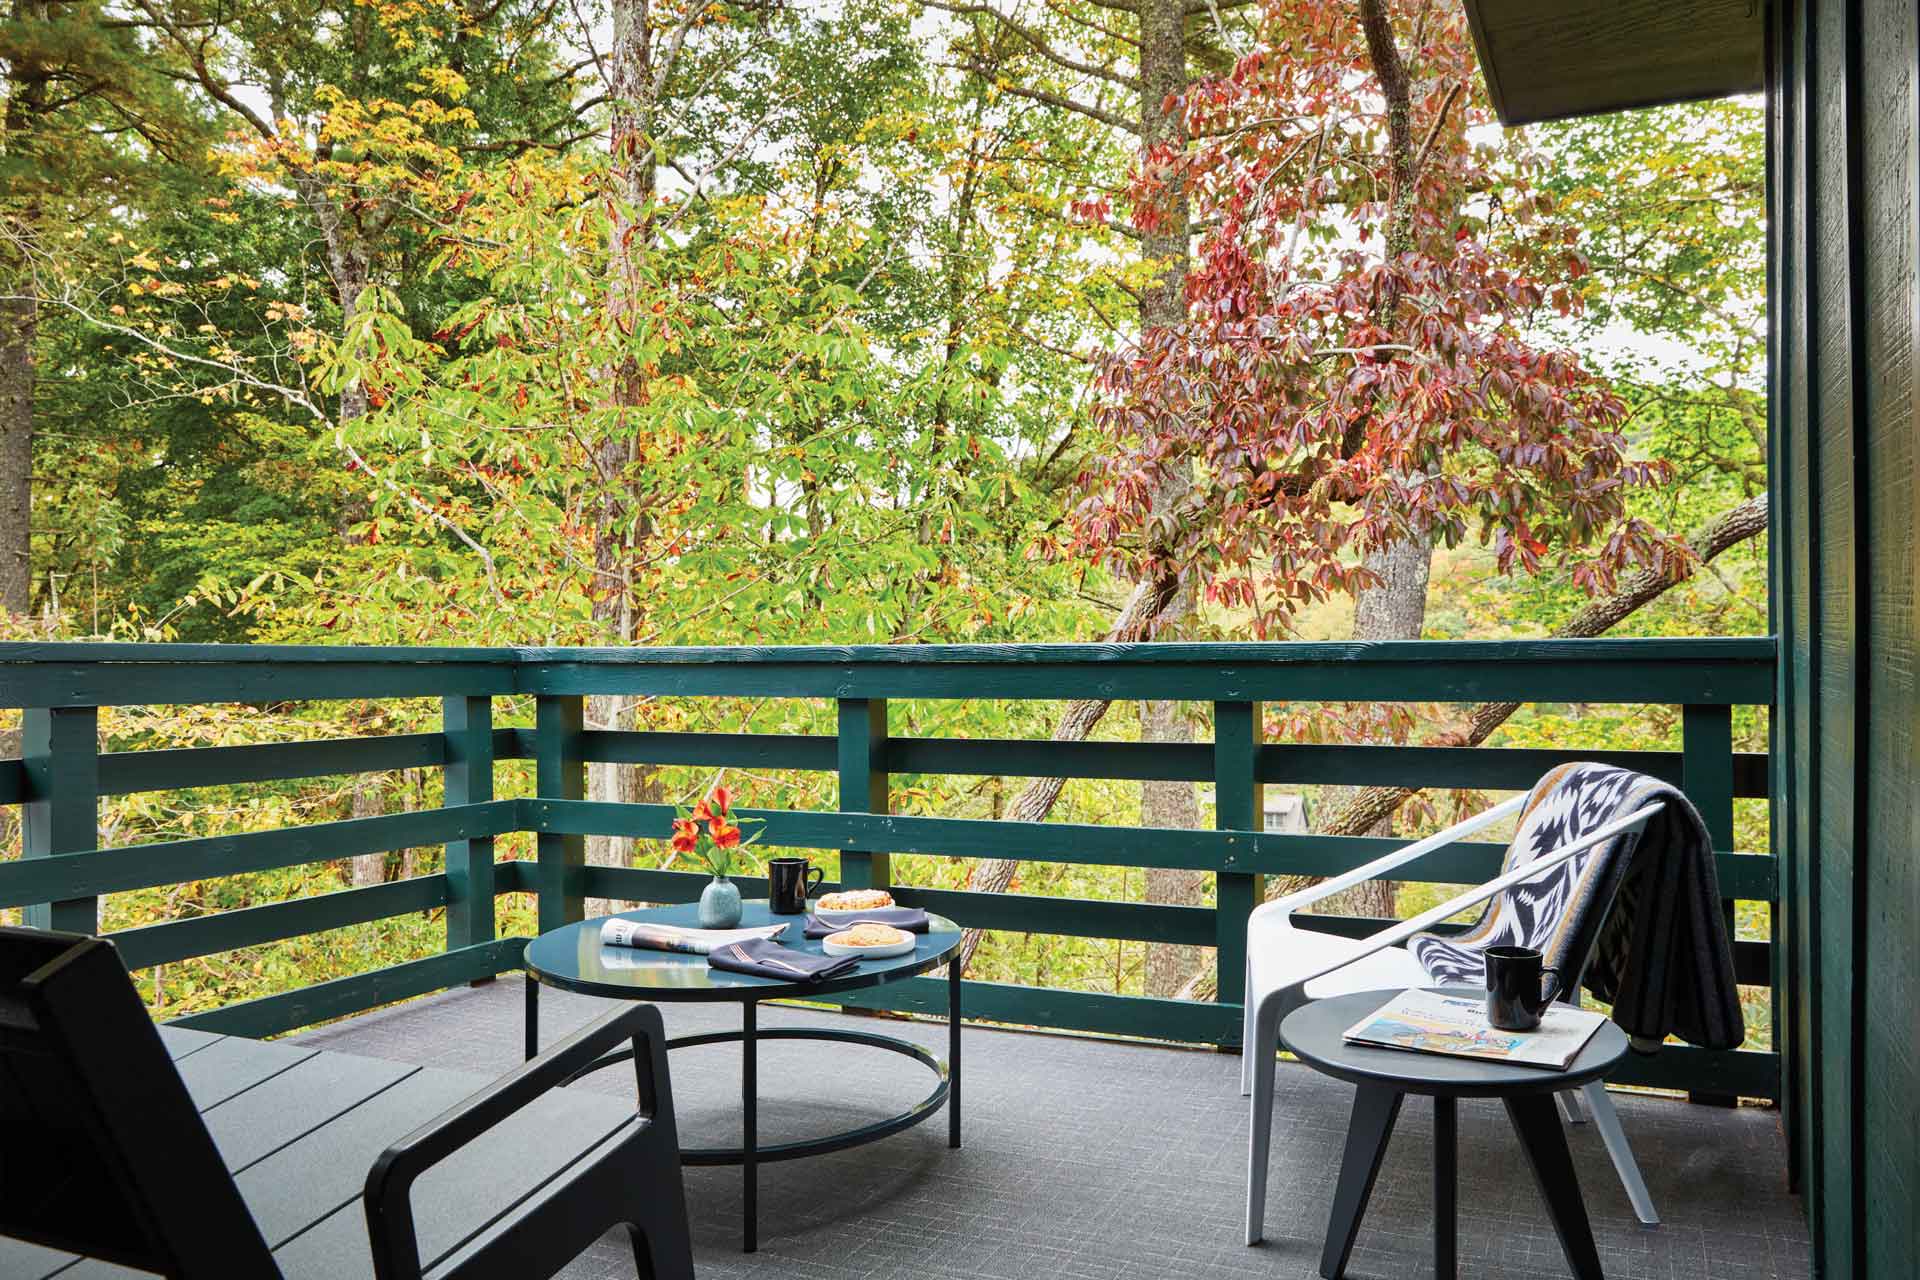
{"points": [[891, 949]]}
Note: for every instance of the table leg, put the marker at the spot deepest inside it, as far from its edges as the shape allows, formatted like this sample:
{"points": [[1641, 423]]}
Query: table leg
{"points": [[953, 1055], [1545, 1144], [1375, 1108], [1446, 1187], [750, 1123], [532, 986]]}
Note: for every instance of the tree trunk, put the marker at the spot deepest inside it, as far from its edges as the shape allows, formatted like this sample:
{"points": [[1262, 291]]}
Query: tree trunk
{"points": [[18, 320], [618, 529], [1163, 75], [368, 868], [26, 92], [1169, 804], [1393, 609]]}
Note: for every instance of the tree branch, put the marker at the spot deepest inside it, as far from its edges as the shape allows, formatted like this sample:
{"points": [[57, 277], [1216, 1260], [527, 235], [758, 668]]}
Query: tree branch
{"points": [[1050, 99], [1038, 42]]}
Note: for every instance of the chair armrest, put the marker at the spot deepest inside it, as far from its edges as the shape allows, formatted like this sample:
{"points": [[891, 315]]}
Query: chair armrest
{"points": [[390, 1227], [1390, 861], [1519, 875]]}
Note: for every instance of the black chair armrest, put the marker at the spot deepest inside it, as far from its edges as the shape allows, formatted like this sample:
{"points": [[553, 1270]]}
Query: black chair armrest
{"points": [[390, 1228]]}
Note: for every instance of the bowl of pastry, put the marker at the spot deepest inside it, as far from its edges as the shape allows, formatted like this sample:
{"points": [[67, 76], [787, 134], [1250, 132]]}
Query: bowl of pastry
{"points": [[868, 939], [854, 900]]}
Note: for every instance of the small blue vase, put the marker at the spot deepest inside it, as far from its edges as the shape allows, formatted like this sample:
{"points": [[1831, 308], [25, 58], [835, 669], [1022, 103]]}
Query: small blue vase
{"points": [[720, 904]]}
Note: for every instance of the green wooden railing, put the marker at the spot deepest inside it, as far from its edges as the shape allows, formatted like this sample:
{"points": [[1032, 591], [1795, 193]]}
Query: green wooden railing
{"points": [[63, 775]]}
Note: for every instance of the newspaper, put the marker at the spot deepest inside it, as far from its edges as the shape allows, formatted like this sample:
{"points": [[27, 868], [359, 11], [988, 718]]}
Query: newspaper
{"points": [[668, 937], [1431, 1022]]}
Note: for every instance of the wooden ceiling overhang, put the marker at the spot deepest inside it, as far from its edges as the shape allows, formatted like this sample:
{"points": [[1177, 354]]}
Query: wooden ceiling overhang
{"points": [[1552, 59]]}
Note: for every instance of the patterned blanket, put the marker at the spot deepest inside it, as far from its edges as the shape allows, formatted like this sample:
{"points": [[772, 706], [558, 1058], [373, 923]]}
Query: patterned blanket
{"points": [[1644, 914]]}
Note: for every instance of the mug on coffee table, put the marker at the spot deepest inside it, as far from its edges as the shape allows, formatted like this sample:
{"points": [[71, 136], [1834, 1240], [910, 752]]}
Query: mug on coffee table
{"points": [[789, 881]]}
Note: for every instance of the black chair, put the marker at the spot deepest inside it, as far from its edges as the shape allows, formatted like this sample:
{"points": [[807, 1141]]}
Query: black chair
{"points": [[278, 1160]]}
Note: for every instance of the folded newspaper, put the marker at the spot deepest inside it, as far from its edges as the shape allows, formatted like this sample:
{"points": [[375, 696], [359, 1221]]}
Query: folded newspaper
{"points": [[669, 937], [1431, 1022]]}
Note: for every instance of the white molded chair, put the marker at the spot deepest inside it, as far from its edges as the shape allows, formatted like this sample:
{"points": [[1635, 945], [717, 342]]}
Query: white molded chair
{"points": [[1287, 966]]}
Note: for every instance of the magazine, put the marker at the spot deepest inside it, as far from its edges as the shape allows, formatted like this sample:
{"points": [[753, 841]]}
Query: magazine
{"points": [[1433, 1022], [669, 937]]}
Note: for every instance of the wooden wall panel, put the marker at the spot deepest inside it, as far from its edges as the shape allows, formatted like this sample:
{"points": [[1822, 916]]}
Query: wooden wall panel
{"points": [[1846, 282], [1889, 862]]}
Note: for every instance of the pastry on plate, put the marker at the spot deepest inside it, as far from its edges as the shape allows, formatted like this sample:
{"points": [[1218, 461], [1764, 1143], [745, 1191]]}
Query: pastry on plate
{"points": [[855, 900], [870, 935]]}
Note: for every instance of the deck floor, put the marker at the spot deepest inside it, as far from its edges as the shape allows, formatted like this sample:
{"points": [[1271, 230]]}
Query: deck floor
{"points": [[1088, 1158]]}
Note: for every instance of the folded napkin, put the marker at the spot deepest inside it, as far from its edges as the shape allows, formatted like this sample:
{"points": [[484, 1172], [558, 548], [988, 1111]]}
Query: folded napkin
{"points": [[783, 964], [912, 919]]}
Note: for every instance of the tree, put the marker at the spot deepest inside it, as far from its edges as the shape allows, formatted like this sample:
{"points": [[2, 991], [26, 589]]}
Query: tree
{"points": [[90, 117]]}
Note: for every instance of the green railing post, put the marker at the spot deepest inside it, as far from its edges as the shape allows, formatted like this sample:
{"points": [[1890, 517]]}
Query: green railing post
{"points": [[863, 784], [1706, 768], [560, 774], [1237, 806], [1706, 775], [60, 747], [468, 726]]}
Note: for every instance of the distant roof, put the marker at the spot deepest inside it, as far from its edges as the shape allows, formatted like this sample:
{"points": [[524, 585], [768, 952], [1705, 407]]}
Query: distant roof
{"points": [[1550, 59]]}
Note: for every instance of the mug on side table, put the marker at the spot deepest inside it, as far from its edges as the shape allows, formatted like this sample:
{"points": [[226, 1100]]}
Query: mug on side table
{"points": [[1515, 998]]}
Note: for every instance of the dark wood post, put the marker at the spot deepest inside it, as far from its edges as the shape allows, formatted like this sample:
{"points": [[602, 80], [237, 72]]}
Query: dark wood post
{"points": [[863, 784], [561, 774], [468, 726], [1706, 775], [1237, 806], [60, 747]]}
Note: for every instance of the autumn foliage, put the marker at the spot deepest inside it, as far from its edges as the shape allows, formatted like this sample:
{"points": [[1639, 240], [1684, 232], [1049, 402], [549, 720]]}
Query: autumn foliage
{"points": [[1357, 365]]}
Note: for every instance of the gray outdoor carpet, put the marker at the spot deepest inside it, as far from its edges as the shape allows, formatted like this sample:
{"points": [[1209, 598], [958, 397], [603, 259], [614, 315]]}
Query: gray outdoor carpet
{"points": [[1088, 1158]]}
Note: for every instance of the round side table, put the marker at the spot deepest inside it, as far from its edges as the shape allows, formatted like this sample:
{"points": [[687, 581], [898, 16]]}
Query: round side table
{"points": [[573, 958], [1384, 1077]]}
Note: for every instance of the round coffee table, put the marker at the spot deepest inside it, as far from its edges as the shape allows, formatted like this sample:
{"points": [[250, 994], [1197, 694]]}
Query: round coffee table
{"points": [[1384, 1077], [573, 958]]}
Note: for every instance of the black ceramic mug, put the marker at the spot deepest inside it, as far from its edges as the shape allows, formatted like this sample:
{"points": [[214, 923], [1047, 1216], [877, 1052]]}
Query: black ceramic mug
{"points": [[789, 882], [1515, 998]]}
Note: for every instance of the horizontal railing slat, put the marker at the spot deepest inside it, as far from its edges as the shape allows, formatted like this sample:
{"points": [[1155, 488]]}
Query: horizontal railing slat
{"points": [[123, 772], [1298, 764], [1054, 1008], [252, 926], [1360, 678], [744, 750], [271, 1015], [1258, 852], [143, 866], [1700, 671], [13, 782]]}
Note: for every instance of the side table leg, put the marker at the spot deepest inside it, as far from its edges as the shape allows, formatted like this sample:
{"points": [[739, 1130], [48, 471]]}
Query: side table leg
{"points": [[1545, 1143], [953, 1055], [1375, 1108], [1446, 1187], [532, 985], [750, 1123]]}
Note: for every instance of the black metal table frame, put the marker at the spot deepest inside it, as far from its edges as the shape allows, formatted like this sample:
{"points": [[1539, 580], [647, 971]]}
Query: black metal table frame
{"points": [[749, 1154], [1382, 1082]]}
